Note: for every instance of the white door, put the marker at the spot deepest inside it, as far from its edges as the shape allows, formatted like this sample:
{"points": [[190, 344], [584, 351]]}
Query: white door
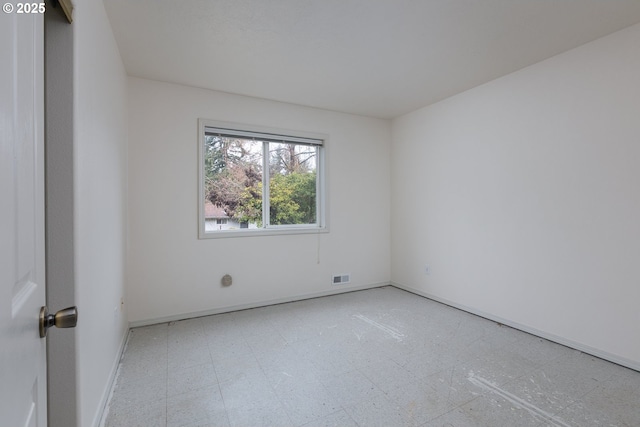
{"points": [[23, 400]]}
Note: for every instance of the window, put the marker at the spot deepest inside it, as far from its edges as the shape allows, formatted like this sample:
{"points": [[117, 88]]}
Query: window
{"points": [[257, 180]]}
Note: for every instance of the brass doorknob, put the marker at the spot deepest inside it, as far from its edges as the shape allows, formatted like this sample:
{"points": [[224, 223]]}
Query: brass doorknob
{"points": [[67, 318]]}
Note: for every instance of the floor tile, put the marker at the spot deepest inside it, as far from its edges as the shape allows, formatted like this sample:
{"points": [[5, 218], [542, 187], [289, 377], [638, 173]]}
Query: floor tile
{"points": [[454, 384], [387, 375], [350, 388], [200, 407], [306, 401], [150, 414], [613, 403], [259, 414], [228, 346], [250, 389], [496, 411], [381, 357], [188, 356], [337, 419], [190, 379], [380, 412], [143, 368], [421, 401], [456, 418], [139, 393], [291, 371], [236, 367]]}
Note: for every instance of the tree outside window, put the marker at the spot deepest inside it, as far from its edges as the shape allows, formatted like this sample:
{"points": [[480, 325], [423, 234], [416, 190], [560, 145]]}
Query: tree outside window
{"points": [[261, 182]]}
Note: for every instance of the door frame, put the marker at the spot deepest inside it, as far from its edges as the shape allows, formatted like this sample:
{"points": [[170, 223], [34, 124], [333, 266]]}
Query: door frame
{"points": [[59, 215]]}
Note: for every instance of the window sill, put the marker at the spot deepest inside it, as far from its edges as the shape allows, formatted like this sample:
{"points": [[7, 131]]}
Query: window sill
{"points": [[261, 232]]}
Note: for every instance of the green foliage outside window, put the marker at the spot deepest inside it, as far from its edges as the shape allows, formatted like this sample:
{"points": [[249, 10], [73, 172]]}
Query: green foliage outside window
{"points": [[234, 181]]}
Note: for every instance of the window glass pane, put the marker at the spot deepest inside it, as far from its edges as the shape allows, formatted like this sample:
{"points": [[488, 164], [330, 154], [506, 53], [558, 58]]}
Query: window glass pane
{"points": [[292, 184], [232, 183], [252, 178]]}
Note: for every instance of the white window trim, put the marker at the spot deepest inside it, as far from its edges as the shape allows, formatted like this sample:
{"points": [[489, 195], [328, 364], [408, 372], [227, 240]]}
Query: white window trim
{"points": [[322, 209]]}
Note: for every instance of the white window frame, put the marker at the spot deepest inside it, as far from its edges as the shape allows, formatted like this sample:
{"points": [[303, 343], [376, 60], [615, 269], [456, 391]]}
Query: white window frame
{"points": [[272, 134]]}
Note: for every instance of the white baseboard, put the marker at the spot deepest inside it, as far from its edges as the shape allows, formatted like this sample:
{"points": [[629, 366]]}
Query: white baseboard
{"points": [[227, 309], [551, 337], [635, 365], [101, 414]]}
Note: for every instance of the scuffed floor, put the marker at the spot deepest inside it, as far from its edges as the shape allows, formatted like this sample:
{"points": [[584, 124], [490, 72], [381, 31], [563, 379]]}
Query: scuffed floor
{"points": [[381, 357]]}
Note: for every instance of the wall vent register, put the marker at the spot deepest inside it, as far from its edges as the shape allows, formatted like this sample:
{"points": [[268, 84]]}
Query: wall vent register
{"points": [[341, 279]]}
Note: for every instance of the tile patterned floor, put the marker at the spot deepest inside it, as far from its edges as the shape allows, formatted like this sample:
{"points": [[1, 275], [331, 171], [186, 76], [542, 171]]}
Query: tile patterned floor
{"points": [[380, 357]]}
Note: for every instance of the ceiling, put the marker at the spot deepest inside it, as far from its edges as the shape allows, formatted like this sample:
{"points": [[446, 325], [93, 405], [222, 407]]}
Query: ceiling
{"points": [[379, 58]]}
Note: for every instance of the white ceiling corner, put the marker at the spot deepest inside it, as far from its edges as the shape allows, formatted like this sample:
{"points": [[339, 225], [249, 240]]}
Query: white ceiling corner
{"points": [[379, 58]]}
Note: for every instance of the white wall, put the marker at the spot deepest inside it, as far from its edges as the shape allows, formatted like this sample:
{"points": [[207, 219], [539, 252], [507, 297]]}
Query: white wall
{"points": [[171, 273], [522, 196], [100, 141]]}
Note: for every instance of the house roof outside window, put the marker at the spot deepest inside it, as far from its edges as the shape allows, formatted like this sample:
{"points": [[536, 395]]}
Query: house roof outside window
{"points": [[212, 211]]}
